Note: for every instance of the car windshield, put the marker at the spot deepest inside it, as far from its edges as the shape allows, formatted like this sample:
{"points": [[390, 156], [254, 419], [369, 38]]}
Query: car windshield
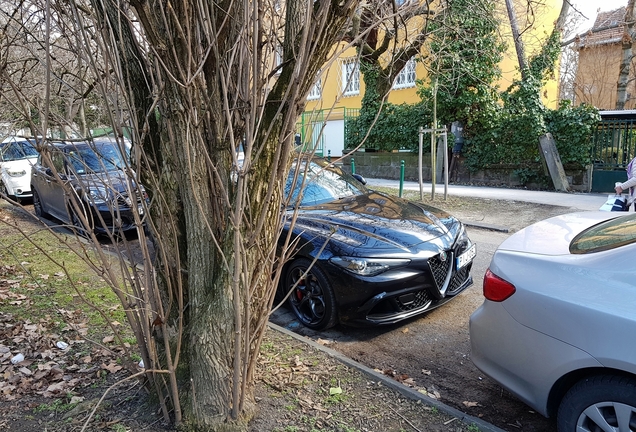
{"points": [[318, 183], [17, 150], [606, 235], [101, 158]]}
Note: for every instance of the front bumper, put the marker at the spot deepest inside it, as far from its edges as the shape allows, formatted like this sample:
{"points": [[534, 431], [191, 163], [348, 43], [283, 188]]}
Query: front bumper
{"points": [[19, 187], [109, 220], [390, 308], [393, 296]]}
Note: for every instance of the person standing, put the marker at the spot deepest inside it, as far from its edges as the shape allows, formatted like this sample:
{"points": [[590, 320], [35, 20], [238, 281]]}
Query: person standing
{"points": [[629, 185]]}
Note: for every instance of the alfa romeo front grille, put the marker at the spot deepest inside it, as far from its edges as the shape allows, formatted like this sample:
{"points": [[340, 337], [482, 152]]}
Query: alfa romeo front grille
{"points": [[440, 267], [458, 278]]}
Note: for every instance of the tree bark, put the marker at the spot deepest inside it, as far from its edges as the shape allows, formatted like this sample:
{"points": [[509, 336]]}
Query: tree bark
{"points": [[203, 77], [516, 36]]}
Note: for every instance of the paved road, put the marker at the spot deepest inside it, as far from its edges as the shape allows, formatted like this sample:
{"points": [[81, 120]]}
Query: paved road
{"points": [[581, 201]]}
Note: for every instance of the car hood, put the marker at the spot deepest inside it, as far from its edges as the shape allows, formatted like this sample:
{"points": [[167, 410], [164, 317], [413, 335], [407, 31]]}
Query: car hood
{"points": [[20, 164], [553, 236], [115, 181], [376, 221]]}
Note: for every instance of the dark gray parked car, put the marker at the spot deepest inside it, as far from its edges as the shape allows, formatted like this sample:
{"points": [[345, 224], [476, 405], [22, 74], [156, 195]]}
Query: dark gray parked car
{"points": [[93, 176]]}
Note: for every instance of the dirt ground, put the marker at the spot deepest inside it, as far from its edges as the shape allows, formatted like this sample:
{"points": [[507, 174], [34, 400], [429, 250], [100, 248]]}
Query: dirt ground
{"points": [[298, 387]]}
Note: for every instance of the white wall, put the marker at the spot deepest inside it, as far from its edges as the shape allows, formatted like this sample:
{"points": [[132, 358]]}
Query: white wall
{"points": [[333, 138]]}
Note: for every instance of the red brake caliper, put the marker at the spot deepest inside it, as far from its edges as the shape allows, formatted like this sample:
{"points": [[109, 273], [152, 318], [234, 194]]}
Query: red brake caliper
{"points": [[299, 294]]}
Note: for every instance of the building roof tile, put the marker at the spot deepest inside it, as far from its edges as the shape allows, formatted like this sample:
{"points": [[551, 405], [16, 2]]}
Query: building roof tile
{"points": [[607, 29]]}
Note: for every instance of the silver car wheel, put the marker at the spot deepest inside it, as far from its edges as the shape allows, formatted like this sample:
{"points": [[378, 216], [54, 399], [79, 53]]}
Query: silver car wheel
{"points": [[602, 403], [607, 416]]}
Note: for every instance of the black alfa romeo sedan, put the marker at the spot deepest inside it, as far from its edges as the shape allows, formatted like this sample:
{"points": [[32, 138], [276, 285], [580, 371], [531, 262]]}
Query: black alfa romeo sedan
{"points": [[365, 257], [91, 190]]}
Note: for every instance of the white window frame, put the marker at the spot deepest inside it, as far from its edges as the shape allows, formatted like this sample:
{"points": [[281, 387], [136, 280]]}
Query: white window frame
{"points": [[407, 76], [350, 69], [278, 58], [316, 90]]}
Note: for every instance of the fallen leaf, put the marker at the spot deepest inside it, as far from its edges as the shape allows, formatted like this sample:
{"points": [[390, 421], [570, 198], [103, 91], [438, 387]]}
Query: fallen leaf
{"points": [[111, 367], [405, 330], [470, 404], [76, 399], [426, 372], [108, 339], [335, 391]]}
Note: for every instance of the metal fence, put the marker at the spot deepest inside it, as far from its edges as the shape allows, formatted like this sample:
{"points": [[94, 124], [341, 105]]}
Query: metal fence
{"points": [[614, 144], [349, 115], [309, 129]]}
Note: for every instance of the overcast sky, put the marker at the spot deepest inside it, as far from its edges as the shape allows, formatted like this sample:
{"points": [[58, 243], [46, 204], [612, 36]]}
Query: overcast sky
{"points": [[590, 7]]}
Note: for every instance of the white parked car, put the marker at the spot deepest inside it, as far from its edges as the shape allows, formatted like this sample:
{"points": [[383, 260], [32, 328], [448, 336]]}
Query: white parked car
{"points": [[558, 325], [17, 156]]}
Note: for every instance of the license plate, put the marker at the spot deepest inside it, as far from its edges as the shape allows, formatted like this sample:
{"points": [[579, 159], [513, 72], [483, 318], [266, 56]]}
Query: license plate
{"points": [[466, 257]]}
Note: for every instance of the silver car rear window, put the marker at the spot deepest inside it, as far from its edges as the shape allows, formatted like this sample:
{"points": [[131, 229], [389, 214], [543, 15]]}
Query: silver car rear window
{"points": [[607, 235]]}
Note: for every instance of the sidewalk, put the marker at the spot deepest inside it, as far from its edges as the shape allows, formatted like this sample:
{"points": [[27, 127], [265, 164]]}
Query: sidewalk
{"points": [[575, 200]]}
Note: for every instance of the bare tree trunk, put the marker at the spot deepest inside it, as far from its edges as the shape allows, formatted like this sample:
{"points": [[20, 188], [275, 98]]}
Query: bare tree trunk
{"points": [[627, 56], [563, 15], [516, 35], [196, 80]]}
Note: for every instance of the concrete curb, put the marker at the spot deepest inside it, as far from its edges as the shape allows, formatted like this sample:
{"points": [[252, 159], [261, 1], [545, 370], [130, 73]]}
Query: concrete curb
{"points": [[388, 382], [486, 226]]}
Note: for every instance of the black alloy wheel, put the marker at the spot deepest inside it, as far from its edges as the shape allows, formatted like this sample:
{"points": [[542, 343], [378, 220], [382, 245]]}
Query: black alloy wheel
{"points": [[37, 205], [312, 299]]}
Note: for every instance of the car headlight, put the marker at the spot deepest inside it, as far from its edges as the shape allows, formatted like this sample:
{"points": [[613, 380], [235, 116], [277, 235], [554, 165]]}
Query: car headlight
{"points": [[462, 242], [96, 195], [368, 266], [16, 173]]}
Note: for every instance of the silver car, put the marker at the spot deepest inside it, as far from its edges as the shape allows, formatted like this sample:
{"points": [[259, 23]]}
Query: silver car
{"points": [[558, 325]]}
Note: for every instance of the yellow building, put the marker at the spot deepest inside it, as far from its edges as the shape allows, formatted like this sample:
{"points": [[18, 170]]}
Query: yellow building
{"points": [[341, 85]]}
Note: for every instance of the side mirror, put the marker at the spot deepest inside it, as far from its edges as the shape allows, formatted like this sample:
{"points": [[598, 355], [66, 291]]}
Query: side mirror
{"points": [[49, 172], [359, 178]]}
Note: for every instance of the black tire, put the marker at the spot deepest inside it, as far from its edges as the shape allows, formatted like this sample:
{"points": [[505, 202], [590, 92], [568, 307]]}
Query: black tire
{"points": [[37, 205], [599, 403], [4, 193], [313, 300]]}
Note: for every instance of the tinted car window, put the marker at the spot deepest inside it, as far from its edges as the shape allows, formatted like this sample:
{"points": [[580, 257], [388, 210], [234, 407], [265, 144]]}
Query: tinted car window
{"points": [[18, 150], [88, 160], [320, 184], [606, 235]]}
